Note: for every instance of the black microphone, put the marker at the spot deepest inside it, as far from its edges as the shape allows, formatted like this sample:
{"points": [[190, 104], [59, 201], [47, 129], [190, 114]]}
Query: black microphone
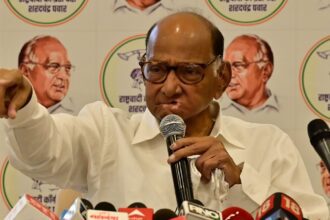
{"points": [[164, 214], [137, 205], [196, 211], [105, 210], [173, 128], [105, 206], [279, 206], [319, 135], [87, 204], [196, 201]]}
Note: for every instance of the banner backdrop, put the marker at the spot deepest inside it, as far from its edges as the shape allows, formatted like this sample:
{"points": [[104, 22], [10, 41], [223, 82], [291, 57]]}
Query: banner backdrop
{"points": [[104, 40]]}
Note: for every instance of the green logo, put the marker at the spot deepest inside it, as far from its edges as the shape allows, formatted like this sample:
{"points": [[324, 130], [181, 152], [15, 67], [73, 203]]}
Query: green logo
{"points": [[121, 79], [315, 78], [14, 184]]}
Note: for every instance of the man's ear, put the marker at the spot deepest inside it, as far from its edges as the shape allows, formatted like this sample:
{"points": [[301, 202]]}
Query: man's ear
{"points": [[267, 72], [24, 70], [224, 77]]}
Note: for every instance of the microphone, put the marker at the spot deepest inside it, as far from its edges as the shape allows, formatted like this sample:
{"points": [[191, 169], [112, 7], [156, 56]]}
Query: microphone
{"points": [[138, 211], [86, 203], [28, 207], [164, 214], [105, 206], [137, 205], [105, 210], [173, 128], [319, 135], [235, 213], [78, 210], [279, 206], [192, 211]]}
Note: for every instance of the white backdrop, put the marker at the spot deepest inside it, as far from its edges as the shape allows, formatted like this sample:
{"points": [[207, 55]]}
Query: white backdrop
{"points": [[94, 35]]}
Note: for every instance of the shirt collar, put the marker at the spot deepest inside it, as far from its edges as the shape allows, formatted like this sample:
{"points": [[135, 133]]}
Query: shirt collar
{"points": [[148, 128], [223, 128], [65, 105], [271, 102]]}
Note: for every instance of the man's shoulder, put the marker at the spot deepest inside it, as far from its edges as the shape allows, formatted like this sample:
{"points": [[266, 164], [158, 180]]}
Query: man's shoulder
{"points": [[251, 135], [102, 109], [98, 107], [231, 122]]}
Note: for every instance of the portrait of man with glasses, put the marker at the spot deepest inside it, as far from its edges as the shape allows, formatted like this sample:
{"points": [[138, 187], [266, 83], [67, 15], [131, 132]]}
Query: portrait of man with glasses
{"points": [[45, 62], [252, 64], [141, 7]]}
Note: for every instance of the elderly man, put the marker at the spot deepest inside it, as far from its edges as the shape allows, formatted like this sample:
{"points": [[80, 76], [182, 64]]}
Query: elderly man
{"points": [[252, 65], [113, 157], [45, 62], [142, 7]]}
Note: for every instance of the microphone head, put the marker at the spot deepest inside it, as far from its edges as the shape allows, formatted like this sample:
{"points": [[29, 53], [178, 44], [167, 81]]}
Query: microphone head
{"points": [[279, 206], [172, 125], [192, 210], [196, 201], [137, 205], [317, 129], [236, 213], [87, 203], [164, 214], [105, 206]]}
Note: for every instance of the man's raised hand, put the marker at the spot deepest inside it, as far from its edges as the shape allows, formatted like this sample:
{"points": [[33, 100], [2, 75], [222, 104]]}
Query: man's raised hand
{"points": [[15, 92]]}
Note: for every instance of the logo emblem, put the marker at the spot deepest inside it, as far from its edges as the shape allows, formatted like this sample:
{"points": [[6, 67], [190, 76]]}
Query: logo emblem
{"points": [[11, 191], [315, 78], [121, 79]]}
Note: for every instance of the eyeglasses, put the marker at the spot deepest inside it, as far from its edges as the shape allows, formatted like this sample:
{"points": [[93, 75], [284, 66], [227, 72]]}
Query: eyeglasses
{"points": [[241, 66], [54, 67], [188, 73], [321, 166]]}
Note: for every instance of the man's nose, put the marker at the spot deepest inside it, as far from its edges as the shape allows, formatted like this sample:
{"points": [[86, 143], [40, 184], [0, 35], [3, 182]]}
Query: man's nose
{"points": [[63, 73], [327, 174], [234, 71], [172, 84]]}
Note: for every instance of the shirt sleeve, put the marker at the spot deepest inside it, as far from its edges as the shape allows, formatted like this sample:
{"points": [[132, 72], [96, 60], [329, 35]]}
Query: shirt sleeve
{"points": [[60, 149]]}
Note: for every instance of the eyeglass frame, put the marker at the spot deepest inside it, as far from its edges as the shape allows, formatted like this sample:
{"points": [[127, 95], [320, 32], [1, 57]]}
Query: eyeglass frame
{"points": [[246, 64], [322, 167], [58, 68], [169, 68]]}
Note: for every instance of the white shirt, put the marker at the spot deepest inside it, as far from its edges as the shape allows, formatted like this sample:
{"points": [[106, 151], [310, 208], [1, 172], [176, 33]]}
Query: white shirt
{"points": [[271, 105], [113, 157], [64, 106], [275, 110]]}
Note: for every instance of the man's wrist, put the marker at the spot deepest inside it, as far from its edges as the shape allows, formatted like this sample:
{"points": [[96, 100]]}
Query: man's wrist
{"points": [[28, 86]]}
